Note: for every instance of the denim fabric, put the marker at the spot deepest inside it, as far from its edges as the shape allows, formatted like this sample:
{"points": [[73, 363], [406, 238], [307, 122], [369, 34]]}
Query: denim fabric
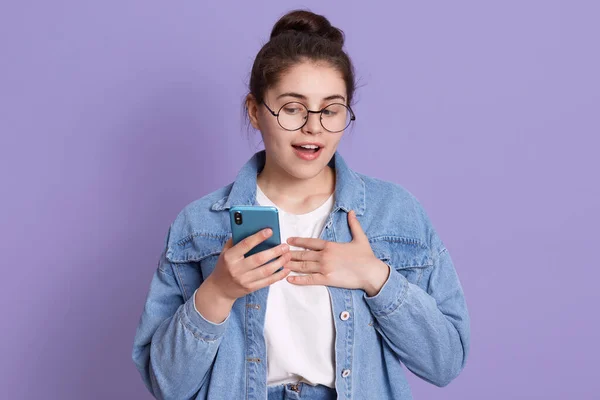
{"points": [[419, 318], [300, 391]]}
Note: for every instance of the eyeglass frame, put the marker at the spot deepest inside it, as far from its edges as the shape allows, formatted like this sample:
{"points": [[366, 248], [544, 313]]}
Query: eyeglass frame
{"points": [[276, 115]]}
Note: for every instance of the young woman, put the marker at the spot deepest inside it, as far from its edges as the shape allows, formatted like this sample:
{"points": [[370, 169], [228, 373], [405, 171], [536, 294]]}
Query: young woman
{"points": [[366, 286]]}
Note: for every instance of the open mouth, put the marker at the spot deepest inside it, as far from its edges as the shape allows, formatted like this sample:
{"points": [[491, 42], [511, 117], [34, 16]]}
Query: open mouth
{"points": [[307, 152], [308, 149]]}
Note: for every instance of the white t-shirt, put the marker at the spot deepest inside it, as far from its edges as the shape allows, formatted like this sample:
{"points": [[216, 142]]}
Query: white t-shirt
{"points": [[299, 330]]}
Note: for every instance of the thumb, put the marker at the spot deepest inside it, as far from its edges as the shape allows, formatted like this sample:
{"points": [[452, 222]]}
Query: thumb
{"points": [[228, 244], [355, 228]]}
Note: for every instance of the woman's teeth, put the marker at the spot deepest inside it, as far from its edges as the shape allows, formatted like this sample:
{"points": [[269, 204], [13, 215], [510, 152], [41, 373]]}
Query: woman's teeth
{"points": [[311, 147]]}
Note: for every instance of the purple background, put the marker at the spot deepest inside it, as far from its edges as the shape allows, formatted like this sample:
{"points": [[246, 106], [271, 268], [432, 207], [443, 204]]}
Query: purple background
{"points": [[116, 114]]}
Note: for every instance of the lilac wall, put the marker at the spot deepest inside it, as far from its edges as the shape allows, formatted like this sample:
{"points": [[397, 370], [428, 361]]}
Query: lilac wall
{"points": [[116, 114]]}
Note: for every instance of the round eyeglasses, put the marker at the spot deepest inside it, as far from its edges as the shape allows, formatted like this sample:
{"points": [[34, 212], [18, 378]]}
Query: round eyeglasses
{"points": [[293, 116]]}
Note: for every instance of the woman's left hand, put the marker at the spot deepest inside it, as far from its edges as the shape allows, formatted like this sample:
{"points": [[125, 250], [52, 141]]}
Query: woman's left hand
{"points": [[349, 265]]}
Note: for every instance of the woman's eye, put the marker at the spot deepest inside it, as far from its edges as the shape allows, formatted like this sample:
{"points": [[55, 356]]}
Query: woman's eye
{"points": [[291, 110], [329, 113]]}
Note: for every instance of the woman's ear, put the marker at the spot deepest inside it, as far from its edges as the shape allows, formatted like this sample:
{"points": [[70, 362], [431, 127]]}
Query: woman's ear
{"points": [[252, 107]]}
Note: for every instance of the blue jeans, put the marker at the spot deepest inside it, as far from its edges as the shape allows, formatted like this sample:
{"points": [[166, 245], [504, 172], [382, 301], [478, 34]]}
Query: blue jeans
{"points": [[300, 391]]}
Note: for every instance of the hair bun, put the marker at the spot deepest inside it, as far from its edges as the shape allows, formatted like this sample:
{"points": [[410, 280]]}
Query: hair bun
{"points": [[309, 23]]}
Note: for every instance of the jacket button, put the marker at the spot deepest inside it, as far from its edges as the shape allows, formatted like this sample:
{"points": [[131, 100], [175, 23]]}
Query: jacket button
{"points": [[344, 315], [345, 373]]}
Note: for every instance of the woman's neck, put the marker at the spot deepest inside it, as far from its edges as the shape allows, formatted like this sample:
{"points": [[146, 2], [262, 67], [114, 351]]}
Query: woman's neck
{"points": [[295, 195]]}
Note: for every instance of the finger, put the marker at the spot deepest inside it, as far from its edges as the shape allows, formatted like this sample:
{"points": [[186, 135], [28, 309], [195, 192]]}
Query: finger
{"points": [[304, 266], [243, 247], [226, 247], [277, 276], [228, 244], [310, 279], [258, 259], [265, 271], [305, 255], [307, 243], [355, 228]]}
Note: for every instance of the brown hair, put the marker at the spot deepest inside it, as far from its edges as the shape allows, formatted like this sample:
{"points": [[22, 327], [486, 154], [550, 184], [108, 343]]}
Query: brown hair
{"points": [[300, 36]]}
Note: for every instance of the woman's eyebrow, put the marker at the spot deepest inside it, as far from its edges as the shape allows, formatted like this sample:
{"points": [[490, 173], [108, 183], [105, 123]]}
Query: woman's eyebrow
{"points": [[303, 97]]}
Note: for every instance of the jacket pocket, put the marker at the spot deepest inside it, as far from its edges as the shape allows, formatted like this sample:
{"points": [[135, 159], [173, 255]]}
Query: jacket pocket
{"points": [[409, 257], [194, 258]]}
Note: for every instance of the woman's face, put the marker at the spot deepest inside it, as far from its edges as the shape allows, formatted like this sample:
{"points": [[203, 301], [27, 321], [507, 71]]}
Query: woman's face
{"points": [[316, 86]]}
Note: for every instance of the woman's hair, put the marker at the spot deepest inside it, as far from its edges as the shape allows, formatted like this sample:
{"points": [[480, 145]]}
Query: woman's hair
{"points": [[297, 37]]}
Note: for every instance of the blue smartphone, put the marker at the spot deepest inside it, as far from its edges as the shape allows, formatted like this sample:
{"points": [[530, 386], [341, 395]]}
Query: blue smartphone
{"points": [[247, 220]]}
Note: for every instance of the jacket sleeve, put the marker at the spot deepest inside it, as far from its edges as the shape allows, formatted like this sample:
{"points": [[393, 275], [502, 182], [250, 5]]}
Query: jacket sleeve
{"points": [[174, 346], [428, 330]]}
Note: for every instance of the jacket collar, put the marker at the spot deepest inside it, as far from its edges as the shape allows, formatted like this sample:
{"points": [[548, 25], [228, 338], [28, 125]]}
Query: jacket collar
{"points": [[349, 187]]}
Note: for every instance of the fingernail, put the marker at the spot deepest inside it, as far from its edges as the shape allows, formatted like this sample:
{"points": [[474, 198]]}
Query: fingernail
{"points": [[268, 232], [285, 247]]}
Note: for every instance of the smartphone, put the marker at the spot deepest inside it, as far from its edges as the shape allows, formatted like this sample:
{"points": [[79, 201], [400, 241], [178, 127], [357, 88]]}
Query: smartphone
{"points": [[247, 220]]}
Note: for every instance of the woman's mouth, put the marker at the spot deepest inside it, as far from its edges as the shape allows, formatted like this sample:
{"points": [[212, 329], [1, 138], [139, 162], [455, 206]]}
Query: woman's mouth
{"points": [[307, 152]]}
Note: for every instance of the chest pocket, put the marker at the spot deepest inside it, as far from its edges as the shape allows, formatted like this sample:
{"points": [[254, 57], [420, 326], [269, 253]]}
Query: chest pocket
{"points": [[407, 256], [194, 258]]}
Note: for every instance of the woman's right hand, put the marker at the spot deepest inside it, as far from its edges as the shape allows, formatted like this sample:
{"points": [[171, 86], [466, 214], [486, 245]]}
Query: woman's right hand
{"points": [[235, 276]]}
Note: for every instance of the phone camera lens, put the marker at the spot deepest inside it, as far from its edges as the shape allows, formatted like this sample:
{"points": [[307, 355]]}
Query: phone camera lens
{"points": [[238, 218]]}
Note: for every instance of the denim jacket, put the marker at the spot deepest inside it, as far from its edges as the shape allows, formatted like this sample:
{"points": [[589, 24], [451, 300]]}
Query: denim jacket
{"points": [[419, 317]]}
